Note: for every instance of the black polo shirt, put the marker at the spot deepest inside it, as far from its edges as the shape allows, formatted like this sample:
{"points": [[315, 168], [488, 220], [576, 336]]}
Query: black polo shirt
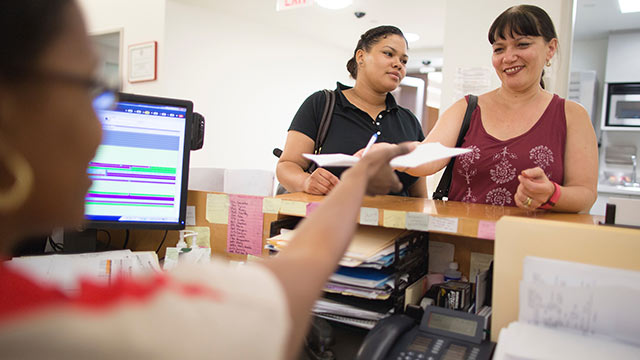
{"points": [[351, 128]]}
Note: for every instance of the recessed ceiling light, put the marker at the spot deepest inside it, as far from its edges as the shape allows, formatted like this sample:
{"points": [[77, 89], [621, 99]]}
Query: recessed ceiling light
{"points": [[411, 37], [629, 6], [334, 4]]}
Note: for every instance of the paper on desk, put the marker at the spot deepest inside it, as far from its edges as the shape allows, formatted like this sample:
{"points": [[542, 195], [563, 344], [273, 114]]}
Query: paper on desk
{"points": [[584, 298], [423, 154]]}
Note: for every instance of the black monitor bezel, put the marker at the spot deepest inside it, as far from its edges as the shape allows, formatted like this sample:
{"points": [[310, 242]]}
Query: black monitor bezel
{"points": [[154, 100]]}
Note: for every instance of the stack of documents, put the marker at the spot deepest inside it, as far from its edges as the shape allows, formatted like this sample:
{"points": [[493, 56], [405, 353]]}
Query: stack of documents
{"points": [[67, 271], [574, 311], [363, 274]]}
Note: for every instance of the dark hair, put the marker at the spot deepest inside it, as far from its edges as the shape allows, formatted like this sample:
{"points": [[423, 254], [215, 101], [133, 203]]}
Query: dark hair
{"points": [[523, 20], [367, 40], [26, 29]]}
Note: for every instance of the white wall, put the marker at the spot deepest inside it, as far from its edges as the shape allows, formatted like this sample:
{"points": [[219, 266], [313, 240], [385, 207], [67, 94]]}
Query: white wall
{"points": [[247, 80], [465, 41], [141, 20], [592, 55]]}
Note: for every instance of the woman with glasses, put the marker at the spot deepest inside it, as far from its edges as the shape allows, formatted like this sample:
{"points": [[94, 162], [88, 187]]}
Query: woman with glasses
{"points": [[48, 134]]}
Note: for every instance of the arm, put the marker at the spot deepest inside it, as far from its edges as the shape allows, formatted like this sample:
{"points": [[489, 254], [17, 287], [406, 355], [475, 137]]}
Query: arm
{"points": [[446, 133], [304, 266], [579, 191], [291, 167], [419, 188]]}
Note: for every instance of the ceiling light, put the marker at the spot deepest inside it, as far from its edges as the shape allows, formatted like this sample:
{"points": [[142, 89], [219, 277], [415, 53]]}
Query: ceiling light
{"points": [[334, 4], [411, 37], [629, 6]]}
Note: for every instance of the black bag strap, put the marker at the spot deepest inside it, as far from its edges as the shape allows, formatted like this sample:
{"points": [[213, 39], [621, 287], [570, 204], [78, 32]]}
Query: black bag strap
{"points": [[442, 191], [325, 122]]}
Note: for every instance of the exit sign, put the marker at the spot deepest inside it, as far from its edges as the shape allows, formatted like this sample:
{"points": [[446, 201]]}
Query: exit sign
{"points": [[292, 4]]}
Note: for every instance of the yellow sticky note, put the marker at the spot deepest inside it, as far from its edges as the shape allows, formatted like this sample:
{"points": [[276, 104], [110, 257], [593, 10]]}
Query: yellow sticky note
{"points": [[218, 208], [297, 208], [394, 219], [271, 205], [203, 239]]}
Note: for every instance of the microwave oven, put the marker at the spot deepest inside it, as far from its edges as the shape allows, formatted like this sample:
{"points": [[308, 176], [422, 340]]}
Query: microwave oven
{"points": [[623, 105]]}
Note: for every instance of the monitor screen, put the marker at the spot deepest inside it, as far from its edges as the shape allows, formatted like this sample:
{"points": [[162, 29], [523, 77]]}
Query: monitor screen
{"points": [[140, 170]]}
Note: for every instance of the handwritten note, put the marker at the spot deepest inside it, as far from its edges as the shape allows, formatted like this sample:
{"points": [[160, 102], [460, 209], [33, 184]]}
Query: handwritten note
{"points": [[244, 234], [417, 221], [297, 208], [312, 206], [394, 219], [443, 224], [191, 216], [369, 216], [486, 230], [203, 239], [217, 208], [271, 205]]}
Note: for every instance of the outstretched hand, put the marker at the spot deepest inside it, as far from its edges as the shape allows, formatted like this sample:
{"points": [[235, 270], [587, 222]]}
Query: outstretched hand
{"points": [[381, 179]]}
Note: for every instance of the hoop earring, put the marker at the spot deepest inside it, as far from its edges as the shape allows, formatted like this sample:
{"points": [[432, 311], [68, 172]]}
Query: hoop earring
{"points": [[22, 172]]}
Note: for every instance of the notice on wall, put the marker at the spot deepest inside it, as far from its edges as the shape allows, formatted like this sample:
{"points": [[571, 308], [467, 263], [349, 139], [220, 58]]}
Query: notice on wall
{"points": [[217, 208], [244, 234], [295, 208], [191, 216], [271, 205], [486, 230], [443, 224], [471, 80], [292, 4], [203, 237]]}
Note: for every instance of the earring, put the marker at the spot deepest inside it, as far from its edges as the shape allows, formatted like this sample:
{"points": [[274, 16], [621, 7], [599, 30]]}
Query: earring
{"points": [[22, 172], [548, 63]]}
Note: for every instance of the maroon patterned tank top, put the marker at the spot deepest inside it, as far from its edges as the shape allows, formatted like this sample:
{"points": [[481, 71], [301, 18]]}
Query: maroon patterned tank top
{"points": [[489, 173]]}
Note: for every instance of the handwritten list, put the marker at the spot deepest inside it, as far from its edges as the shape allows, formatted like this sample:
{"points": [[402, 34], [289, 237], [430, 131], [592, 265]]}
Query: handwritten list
{"points": [[244, 234]]}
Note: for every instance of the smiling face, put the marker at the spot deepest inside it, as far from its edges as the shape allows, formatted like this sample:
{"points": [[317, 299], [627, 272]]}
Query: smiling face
{"points": [[51, 122], [385, 64], [519, 60]]}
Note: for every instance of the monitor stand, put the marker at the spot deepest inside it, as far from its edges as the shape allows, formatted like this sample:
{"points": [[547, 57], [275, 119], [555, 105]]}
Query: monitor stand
{"points": [[80, 241]]}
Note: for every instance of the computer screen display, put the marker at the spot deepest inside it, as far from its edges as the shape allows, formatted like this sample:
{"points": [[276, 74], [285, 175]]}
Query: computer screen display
{"points": [[140, 170]]}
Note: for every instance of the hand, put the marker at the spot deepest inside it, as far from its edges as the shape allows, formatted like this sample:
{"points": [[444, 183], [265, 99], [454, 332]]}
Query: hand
{"points": [[534, 185], [320, 182], [381, 179]]}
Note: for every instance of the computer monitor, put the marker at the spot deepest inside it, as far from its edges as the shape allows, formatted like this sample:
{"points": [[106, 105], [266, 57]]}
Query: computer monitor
{"points": [[140, 171]]}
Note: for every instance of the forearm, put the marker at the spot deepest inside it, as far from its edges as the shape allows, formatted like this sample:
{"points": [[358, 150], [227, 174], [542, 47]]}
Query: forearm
{"points": [[304, 266], [575, 199], [291, 176]]}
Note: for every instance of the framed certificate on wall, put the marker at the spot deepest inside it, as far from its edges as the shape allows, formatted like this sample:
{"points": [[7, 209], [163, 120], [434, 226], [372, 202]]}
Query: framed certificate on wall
{"points": [[143, 61]]}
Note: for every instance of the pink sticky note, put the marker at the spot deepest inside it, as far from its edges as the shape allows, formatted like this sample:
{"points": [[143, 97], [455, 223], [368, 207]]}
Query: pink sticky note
{"points": [[486, 230], [311, 207], [244, 231]]}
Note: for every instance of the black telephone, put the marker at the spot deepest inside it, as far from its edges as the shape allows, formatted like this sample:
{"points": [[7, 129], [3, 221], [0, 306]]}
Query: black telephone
{"points": [[443, 334]]}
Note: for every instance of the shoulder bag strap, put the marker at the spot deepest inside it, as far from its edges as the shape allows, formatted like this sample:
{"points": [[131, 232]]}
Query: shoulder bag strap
{"points": [[442, 192], [325, 122]]}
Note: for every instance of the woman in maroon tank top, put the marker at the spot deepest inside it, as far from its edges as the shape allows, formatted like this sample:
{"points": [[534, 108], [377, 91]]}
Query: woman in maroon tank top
{"points": [[530, 148]]}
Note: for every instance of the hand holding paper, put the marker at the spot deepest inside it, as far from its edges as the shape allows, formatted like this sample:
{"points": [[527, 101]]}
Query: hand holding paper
{"points": [[423, 154]]}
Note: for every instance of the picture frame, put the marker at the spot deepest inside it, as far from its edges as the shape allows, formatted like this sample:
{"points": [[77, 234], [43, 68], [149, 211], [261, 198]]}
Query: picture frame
{"points": [[143, 59]]}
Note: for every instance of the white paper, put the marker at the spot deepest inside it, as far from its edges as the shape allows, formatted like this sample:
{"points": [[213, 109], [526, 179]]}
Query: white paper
{"points": [[584, 298], [423, 154], [417, 221], [369, 216], [443, 224], [521, 341], [191, 216]]}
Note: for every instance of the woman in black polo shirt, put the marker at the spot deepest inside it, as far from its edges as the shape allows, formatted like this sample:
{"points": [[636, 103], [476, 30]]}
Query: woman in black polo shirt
{"points": [[378, 65]]}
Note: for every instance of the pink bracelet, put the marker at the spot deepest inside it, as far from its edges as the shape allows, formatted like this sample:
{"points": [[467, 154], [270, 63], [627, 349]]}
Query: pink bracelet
{"points": [[553, 200]]}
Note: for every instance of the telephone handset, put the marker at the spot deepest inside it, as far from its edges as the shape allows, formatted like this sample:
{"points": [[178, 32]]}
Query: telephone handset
{"points": [[442, 334]]}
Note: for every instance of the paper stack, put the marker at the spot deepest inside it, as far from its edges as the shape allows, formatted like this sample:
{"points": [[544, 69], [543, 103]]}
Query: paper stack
{"points": [[67, 271], [574, 311], [363, 278]]}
